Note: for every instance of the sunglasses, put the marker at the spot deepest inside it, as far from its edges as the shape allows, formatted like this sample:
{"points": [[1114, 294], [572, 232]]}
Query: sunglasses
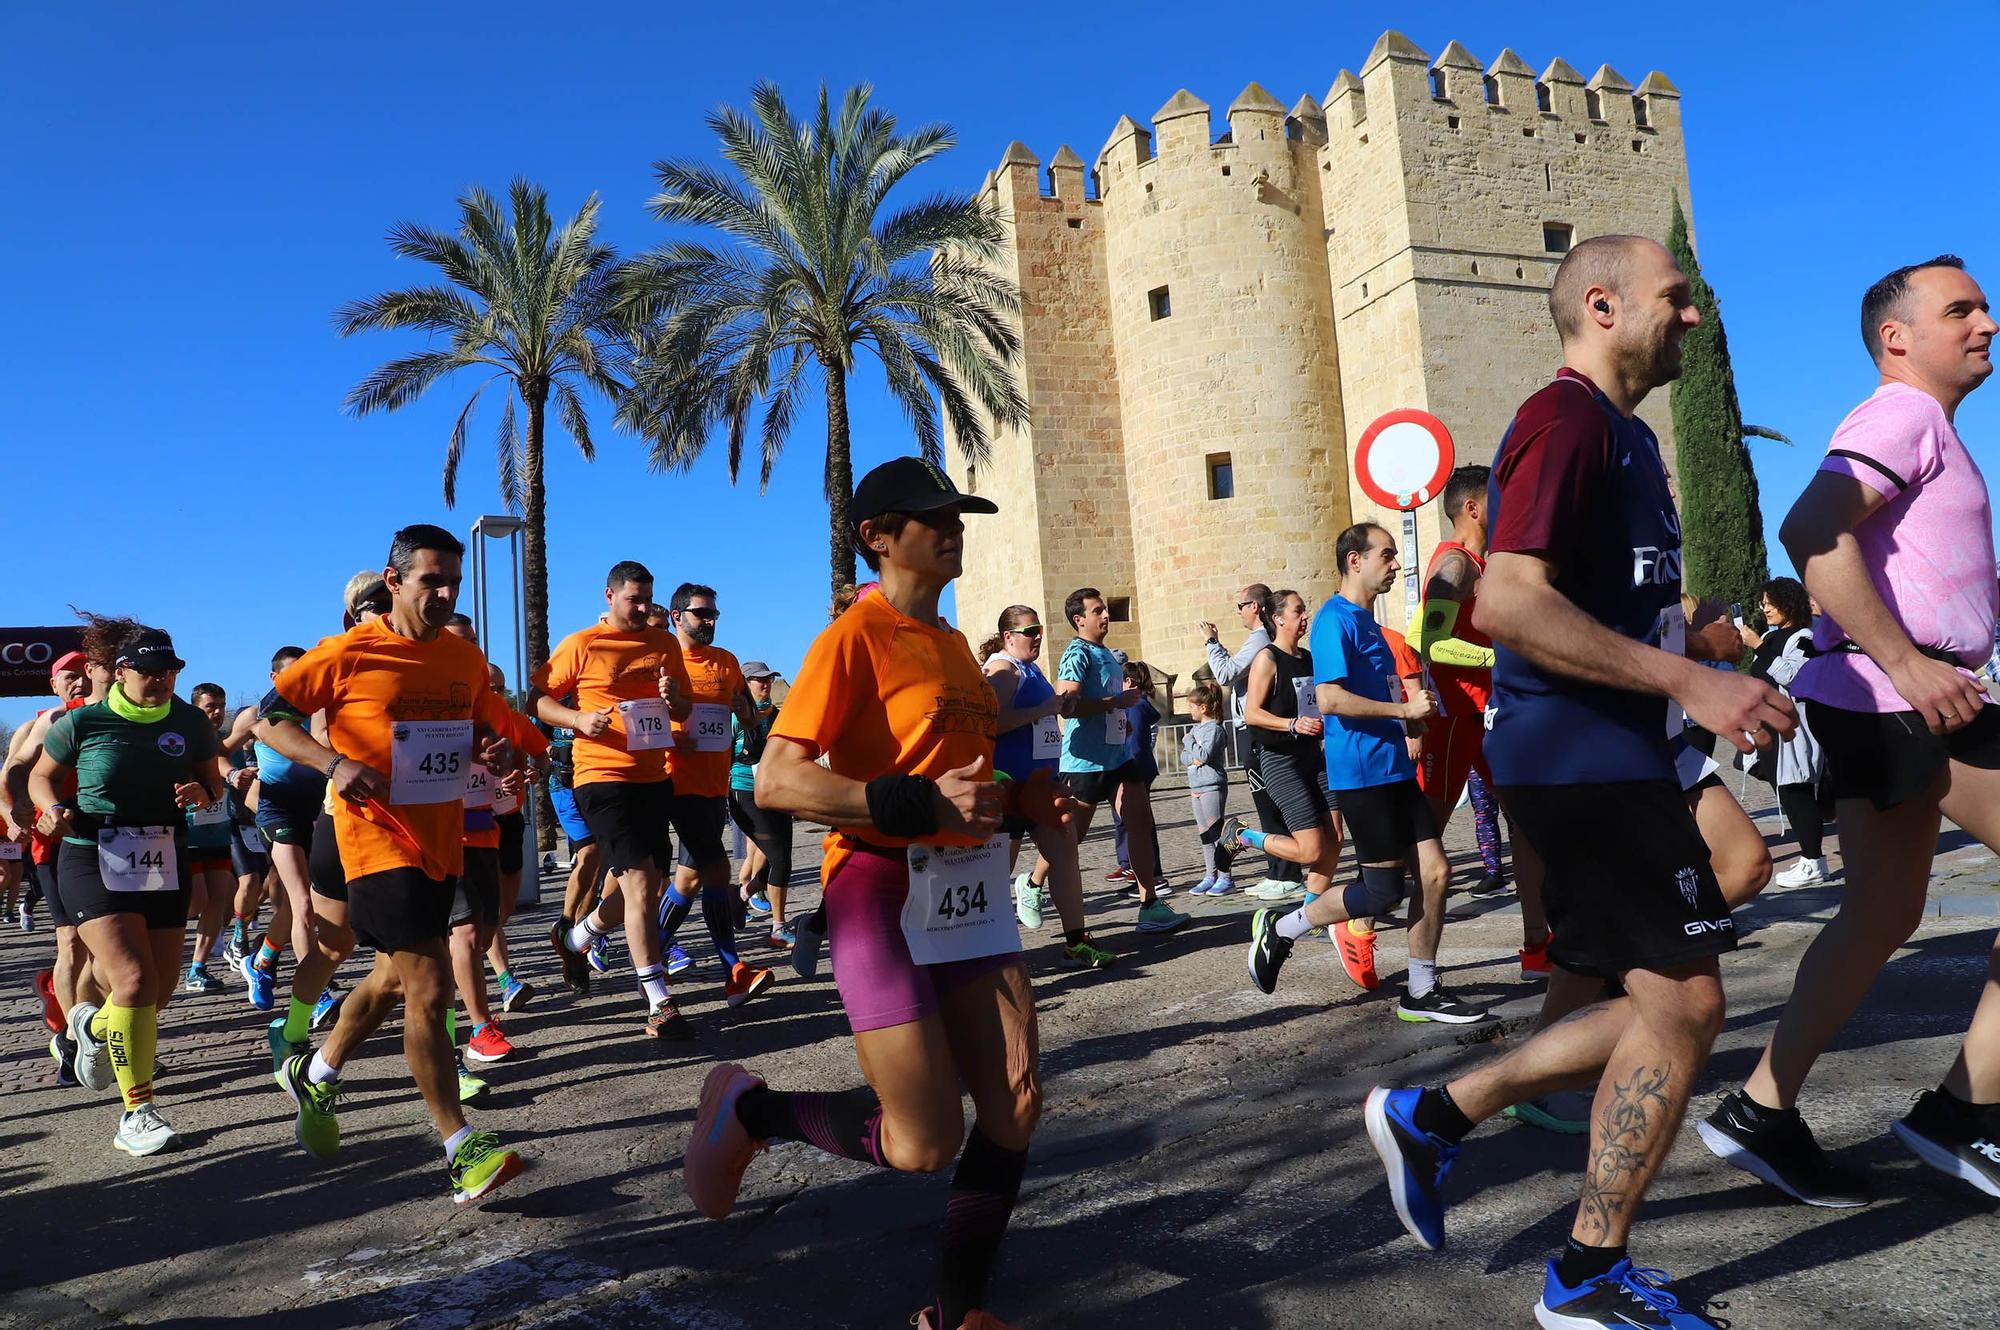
{"points": [[1034, 633], [1245, 604], [706, 616]]}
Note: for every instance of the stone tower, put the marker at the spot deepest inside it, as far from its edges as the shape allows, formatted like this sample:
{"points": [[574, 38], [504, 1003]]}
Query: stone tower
{"points": [[1244, 305]]}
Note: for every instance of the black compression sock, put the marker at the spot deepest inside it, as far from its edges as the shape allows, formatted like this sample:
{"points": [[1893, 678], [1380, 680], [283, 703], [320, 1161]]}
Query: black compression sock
{"points": [[1072, 936], [983, 1192], [847, 1123], [1579, 1263], [1438, 1115]]}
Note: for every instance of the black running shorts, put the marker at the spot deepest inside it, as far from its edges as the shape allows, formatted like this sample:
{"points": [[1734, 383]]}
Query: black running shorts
{"points": [[1889, 757], [1098, 787], [513, 841], [247, 852], [631, 822], [477, 900], [329, 878], [1384, 821], [45, 874], [700, 820], [80, 882], [1296, 783], [1628, 883], [400, 909]]}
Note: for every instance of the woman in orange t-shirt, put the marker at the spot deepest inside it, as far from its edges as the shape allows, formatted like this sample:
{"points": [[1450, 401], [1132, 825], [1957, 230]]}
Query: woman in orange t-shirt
{"points": [[926, 951]]}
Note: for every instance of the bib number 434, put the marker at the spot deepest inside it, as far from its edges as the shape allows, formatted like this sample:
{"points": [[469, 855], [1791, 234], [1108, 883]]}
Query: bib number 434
{"points": [[959, 901]]}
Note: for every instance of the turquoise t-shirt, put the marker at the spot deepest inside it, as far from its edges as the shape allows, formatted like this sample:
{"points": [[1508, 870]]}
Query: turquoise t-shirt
{"points": [[743, 774], [1085, 745]]}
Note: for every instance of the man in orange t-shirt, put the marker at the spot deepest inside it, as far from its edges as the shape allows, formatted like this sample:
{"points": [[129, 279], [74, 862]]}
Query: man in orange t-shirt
{"points": [[408, 711], [631, 685], [700, 769]]}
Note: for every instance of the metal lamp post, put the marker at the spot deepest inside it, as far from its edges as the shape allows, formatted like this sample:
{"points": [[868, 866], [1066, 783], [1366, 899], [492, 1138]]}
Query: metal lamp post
{"points": [[505, 529]]}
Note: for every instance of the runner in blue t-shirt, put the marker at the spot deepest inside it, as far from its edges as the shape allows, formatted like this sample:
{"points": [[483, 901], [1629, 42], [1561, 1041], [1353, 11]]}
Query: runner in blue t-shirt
{"points": [[1354, 690], [1094, 763], [1580, 595]]}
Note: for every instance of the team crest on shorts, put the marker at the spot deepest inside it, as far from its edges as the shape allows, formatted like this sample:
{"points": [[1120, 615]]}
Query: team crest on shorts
{"points": [[172, 744], [1689, 882]]}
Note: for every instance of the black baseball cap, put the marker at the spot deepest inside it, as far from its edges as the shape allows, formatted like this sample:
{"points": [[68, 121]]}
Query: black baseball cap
{"points": [[150, 651], [910, 485]]}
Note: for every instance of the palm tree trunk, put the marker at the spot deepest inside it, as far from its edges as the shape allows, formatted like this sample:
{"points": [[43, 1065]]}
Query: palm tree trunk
{"points": [[839, 478], [535, 573]]}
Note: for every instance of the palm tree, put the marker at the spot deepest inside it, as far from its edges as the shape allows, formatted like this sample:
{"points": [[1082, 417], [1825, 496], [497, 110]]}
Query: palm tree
{"points": [[807, 273], [532, 304]]}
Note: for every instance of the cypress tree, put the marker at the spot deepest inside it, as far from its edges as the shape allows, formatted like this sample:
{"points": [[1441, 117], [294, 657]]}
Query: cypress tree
{"points": [[1722, 527]]}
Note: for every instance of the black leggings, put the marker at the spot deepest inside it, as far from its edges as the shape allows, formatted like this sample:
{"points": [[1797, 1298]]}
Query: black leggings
{"points": [[773, 834], [1802, 810]]}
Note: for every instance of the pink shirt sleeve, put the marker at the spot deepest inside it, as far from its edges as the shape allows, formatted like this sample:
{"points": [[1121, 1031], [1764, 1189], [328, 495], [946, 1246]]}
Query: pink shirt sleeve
{"points": [[1888, 444]]}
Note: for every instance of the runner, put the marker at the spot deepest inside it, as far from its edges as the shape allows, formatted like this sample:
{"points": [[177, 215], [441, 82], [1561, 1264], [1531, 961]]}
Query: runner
{"points": [[1460, 660], [209, 834], [1894, 539], [1580, 591], [1028, 749], [77, 679], [249, 857], [1351, 677], [286, 805], [1282, 877], [138, 759], [698, 773], [929, 971], [1094, 766], [769, 833], [407, 709], [630, 686], [586, 869]]}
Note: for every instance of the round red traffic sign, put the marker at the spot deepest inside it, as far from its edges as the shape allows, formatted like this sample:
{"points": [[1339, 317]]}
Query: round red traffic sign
{"points": [[1403, 459]]}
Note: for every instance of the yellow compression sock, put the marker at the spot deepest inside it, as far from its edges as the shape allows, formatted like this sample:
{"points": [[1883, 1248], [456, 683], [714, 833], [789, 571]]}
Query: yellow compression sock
{"points": [[130, 1034], [1361, 927]]}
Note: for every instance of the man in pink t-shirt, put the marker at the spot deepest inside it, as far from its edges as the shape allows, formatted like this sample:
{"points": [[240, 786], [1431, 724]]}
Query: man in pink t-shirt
{"points": [[1894, 537]]}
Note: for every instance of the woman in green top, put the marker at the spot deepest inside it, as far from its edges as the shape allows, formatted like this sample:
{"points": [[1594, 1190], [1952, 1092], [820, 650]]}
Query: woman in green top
{"points": [[140, 758], [768, 868]]}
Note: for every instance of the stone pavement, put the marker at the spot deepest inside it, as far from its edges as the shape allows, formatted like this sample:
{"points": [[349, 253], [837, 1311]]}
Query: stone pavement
{"points": [[1201, 1162]]}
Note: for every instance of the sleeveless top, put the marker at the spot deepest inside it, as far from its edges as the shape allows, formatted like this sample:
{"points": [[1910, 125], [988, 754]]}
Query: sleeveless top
{"points": [[1284, 701], [1014, 750], [1463, 691]]}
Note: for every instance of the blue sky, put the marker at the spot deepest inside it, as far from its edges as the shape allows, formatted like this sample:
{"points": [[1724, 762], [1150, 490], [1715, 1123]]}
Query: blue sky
{"points": [[193, 189]]}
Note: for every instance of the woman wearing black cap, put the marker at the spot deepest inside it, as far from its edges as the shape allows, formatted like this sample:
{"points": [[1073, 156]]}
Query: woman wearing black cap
{"points": [[927, 955], [140, 757]]}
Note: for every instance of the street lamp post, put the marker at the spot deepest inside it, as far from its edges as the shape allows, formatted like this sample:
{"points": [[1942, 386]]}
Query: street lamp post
{"points": [[502, 528]]}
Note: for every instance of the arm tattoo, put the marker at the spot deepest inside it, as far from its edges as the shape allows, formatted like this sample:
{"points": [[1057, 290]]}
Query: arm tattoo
{"points": [[1626, 1137], [1452, 579]]}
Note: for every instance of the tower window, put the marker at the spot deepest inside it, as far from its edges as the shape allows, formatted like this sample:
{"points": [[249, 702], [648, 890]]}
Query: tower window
{"points": [[1556, 237], [1542, 102], [1076, 223], [1159, 304], [1451, 122], [1225, 170], [1121, 609], [1492, 91], [1437, 85], [1593, 102], [1221, 477], [1638, 145], [1639, 112]]}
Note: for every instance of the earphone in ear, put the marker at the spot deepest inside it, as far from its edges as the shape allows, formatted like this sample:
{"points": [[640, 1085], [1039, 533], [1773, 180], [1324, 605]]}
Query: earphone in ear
{"points": [[1602, 307]]}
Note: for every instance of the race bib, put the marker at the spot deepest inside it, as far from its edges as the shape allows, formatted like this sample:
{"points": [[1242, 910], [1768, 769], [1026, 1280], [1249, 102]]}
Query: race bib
{"points": [[1048, 737], [252, 841], [10, 851], [137, 859], [478, 787], [210, 815], [958, 907], [647, 724], [707, 727], [505, 803], [1117, 727], [1308, 698], [428, 761]]}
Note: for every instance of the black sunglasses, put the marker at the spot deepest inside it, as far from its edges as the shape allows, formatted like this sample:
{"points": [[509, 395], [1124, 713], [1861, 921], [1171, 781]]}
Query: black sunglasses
{"points": [[706, 616], [1034, 632]]}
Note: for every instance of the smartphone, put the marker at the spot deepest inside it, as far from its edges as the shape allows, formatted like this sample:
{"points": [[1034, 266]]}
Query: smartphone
{"points": [[1736, 612]]}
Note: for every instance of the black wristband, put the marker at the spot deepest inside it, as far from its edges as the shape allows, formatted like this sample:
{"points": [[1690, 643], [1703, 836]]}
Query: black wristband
{"points": [[902, 806]]}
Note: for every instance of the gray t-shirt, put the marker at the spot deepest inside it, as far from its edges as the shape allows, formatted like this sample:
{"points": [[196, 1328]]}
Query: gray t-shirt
{"points": [[1233, 672], [1204, 743]]}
